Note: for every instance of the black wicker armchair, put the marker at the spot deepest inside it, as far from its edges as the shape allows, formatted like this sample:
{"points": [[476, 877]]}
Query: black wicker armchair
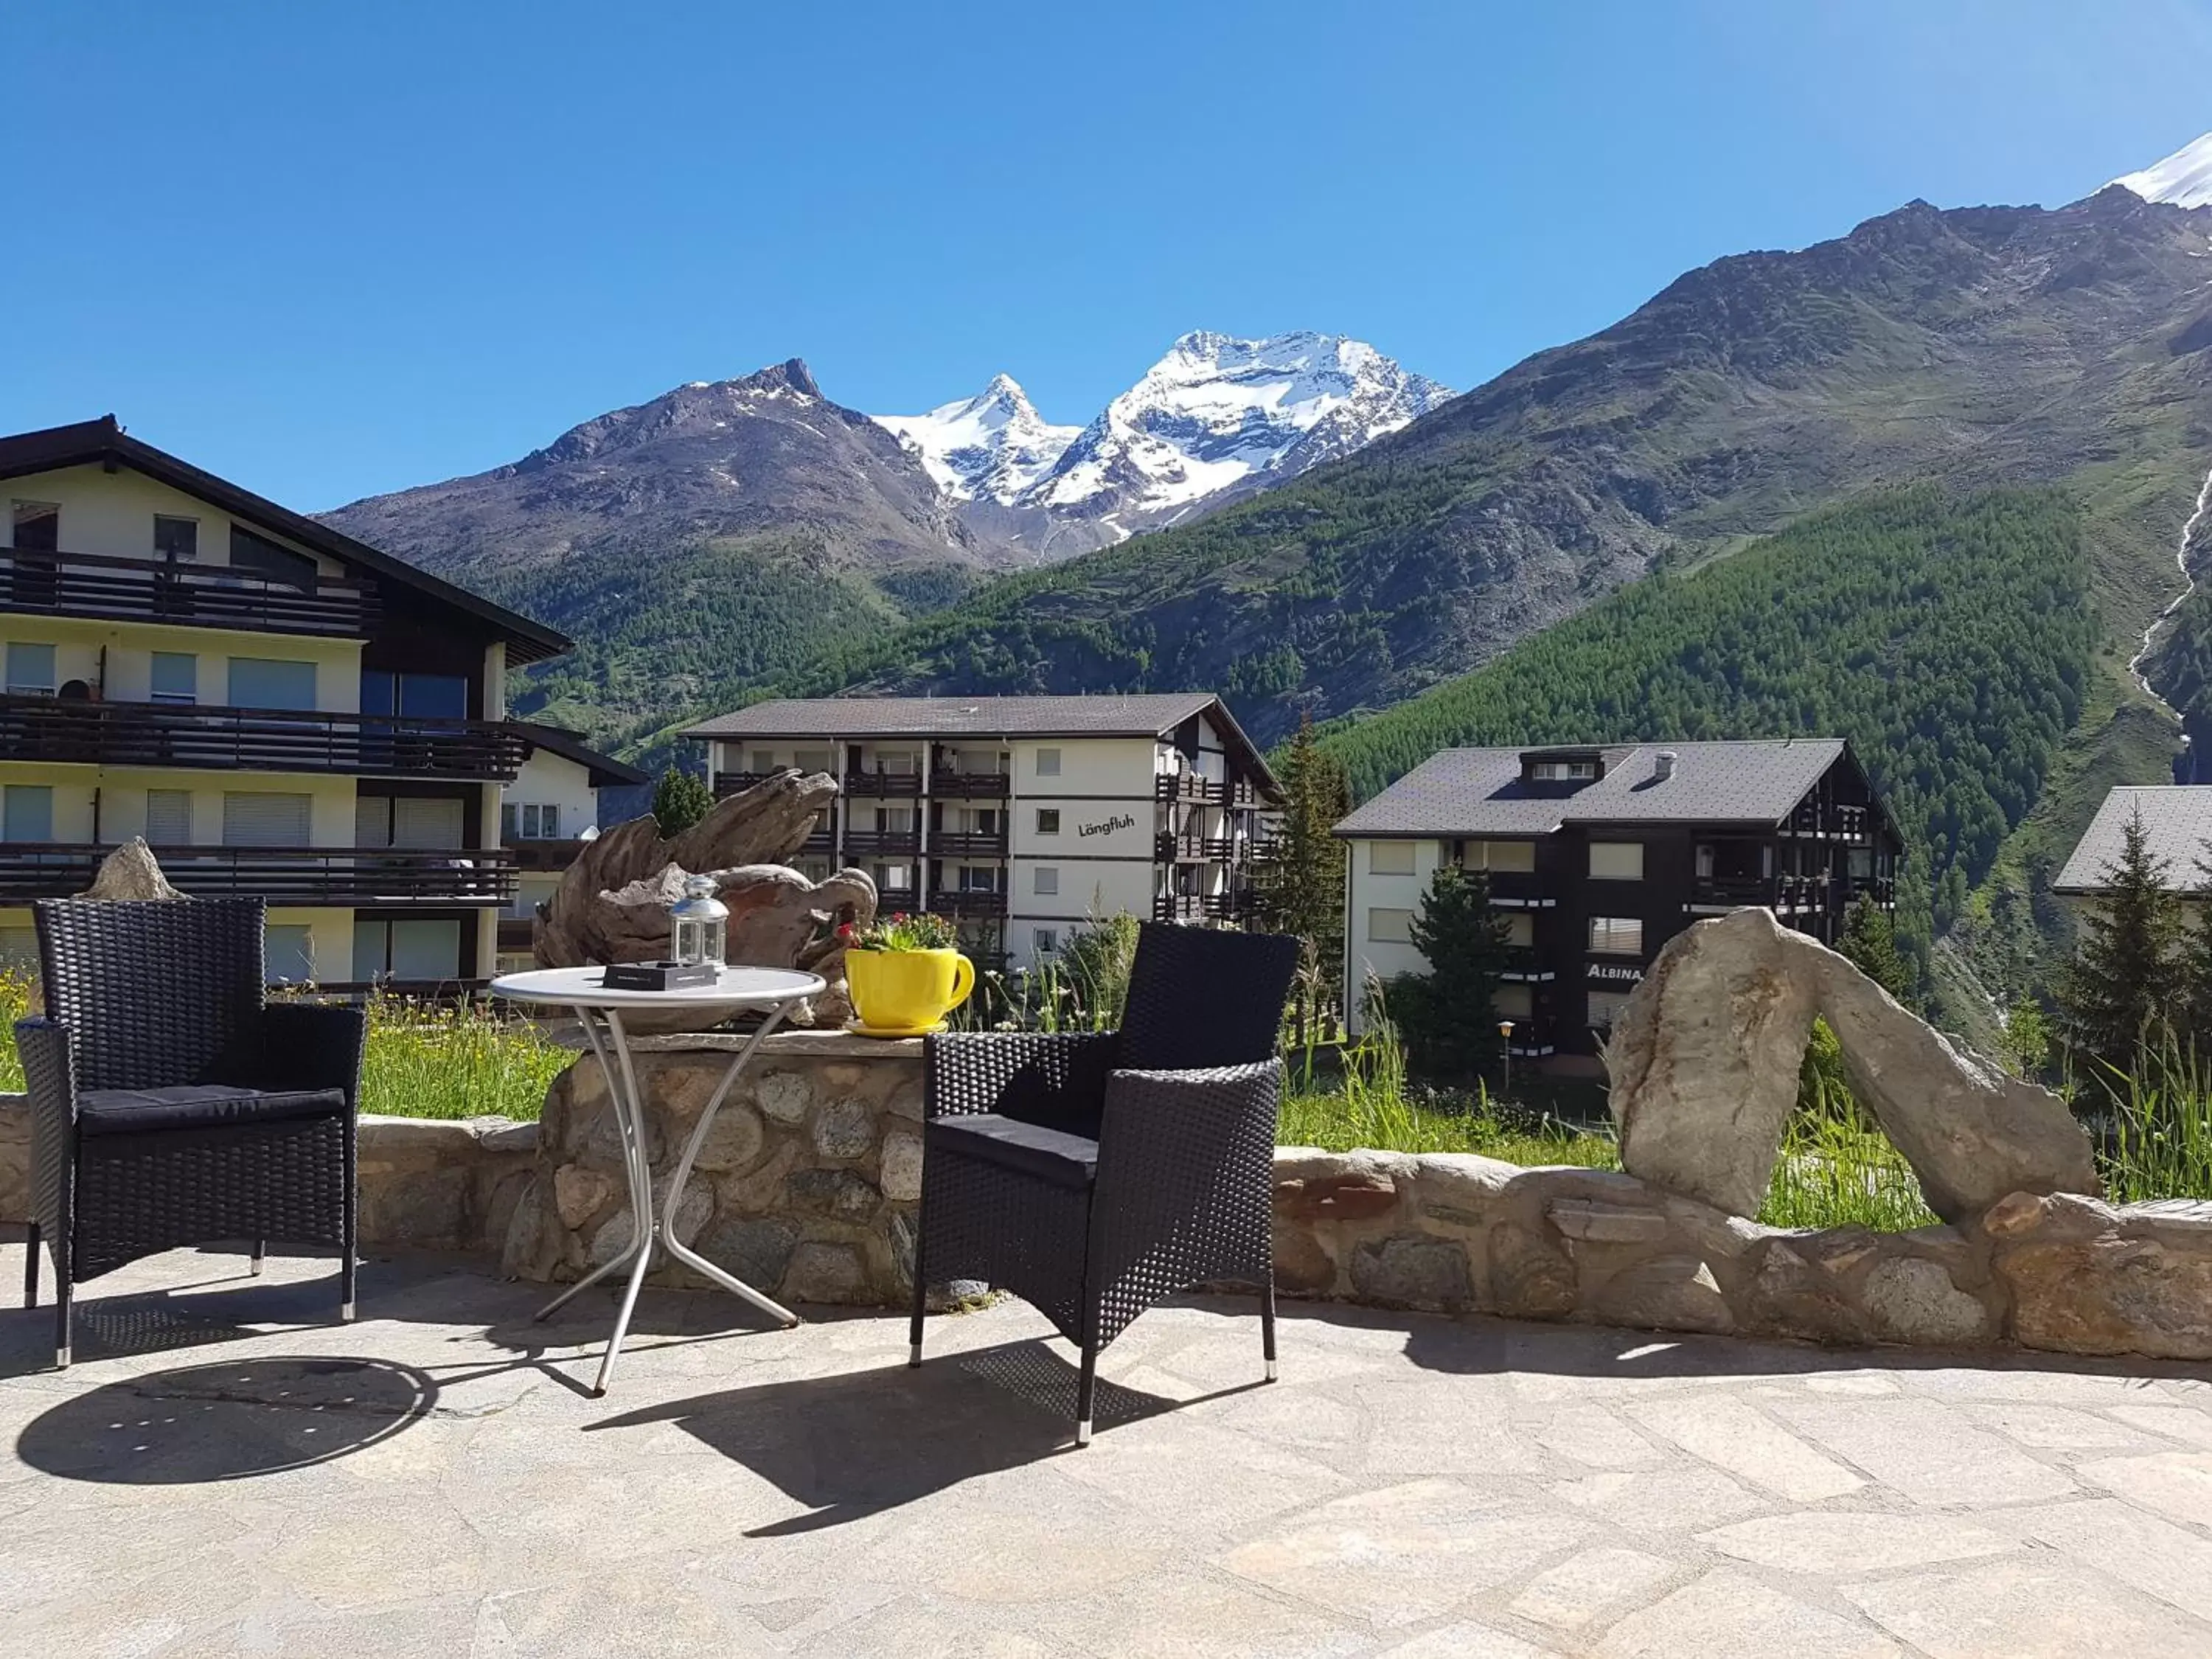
{"points": [[170, 1105], [1094, 1174]]}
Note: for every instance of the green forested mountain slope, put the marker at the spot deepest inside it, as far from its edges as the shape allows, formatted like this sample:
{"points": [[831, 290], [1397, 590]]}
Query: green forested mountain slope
{"points": [[1949, 638], [1977, 346]]}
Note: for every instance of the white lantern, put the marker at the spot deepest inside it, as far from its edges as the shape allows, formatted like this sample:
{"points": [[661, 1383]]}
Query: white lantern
{"points": [[701, 925]]}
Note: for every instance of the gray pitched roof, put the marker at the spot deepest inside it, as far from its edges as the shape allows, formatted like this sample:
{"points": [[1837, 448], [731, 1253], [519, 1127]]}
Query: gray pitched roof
{"points": [[2177, 821], [606, 771], [1479, 792], [22, 454], [959, 717]]}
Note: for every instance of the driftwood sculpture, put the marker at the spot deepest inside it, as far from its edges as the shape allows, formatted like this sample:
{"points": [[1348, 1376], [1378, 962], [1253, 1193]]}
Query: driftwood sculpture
{"points": [[612, 904]]}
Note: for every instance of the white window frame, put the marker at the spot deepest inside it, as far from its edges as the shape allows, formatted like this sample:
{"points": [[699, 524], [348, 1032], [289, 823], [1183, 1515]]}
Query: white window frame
{"points": [[1044, 880], [1616, 936], [16, 798], [1048, 762], [22, 655], [1047, 820], [1616, 860], [1389, 857], [1389, 925], [179, 699], [161, 519], [1044, 941]]}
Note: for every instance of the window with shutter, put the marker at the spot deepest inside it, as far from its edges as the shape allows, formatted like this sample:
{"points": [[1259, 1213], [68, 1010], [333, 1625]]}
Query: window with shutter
{"points": [[30, 669], [176, 677], [263, 682], [421, 823], [168, 818], [426, 950], [261, 819], [27, 812]]}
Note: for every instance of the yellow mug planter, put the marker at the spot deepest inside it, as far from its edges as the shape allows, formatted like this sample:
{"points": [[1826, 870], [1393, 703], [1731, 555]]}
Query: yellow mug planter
{"points": [[902, 994]]}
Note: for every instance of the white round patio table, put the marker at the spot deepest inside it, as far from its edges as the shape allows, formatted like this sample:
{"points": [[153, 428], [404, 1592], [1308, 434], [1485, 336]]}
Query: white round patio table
{"points": [[599, 1010]]}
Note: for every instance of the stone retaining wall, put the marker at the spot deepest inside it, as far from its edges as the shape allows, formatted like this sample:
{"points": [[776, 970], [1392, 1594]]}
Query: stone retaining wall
{"points": [[809, 1187], [425, 1183]]}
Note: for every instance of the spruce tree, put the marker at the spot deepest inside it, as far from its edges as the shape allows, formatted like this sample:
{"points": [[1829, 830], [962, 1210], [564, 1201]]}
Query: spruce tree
{"points": [[1869, 942], [2119, 994], [1300, 879], [1449, 1014], [680, 800]]}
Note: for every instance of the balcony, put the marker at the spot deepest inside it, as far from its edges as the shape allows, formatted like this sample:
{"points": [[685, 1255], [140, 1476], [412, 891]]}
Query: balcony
{"points": [[1232, 905], [95, 586], [1783, 895], [1170, 848], [533, 852], [732, 783], [881, 843], [258, 740], [968, 844], [1190, 788], [1178, 907], [967, 903], [876, 784], [968, 785], [281, 875]]}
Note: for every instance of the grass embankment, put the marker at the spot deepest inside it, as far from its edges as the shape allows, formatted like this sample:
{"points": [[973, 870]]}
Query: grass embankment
{"points": [[421, 1059]]}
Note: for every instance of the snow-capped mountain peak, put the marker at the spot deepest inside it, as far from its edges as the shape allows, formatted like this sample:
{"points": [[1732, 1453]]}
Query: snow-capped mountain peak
{"points": [[2184, 177], [1219, 414], [990, 447]]}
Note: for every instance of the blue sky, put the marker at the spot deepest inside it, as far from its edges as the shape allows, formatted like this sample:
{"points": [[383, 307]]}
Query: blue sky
{"points": [[331, 249]]}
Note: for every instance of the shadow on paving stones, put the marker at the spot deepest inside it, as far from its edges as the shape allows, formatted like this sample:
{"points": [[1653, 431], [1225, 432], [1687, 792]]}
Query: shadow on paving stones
{"points": [[1475, 1344], [226, 1421], [853, 1446], [205, 1296]]}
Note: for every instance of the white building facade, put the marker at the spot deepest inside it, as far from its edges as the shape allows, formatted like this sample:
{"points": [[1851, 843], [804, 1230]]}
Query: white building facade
{"points": [[1023, 818]]}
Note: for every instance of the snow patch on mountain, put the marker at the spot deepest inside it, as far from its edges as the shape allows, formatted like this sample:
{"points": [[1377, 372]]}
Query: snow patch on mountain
{"points": [[990, 447], [1219, 414], [2184, 177]]}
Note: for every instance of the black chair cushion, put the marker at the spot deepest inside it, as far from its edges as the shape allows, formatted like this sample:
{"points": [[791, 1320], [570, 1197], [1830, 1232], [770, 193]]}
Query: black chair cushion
{"points": [[198, 1106], [1051, 1155]]}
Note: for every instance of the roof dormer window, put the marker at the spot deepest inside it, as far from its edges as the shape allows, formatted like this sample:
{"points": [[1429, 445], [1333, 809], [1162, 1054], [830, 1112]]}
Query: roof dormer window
{"points": [[1562, 766]]}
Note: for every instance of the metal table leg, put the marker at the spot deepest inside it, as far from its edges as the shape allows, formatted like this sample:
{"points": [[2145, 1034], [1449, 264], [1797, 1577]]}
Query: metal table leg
{"points": [[648, 1229]]}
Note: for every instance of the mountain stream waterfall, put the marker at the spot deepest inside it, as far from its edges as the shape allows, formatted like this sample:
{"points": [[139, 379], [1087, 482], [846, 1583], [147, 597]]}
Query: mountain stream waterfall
{"points": [[2198, 520]]}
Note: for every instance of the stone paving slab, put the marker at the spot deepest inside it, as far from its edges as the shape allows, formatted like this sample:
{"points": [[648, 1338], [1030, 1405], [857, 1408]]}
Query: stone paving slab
{"points": [[224, 1472]]}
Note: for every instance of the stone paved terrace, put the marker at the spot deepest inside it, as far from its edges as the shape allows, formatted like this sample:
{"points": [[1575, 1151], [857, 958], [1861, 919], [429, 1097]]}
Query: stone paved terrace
{"points": [[432, 1481]]}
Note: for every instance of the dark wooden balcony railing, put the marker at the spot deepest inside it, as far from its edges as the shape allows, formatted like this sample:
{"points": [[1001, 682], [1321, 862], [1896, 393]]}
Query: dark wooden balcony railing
{"points": [[1178, 907], [968, 785], [1169, 849], [968, 844], [257, 739], [967, 902], [96, 585], [1774, 893], [1190, 787], [534, 852], [281, 875], [876, 784], [882, 843], [732, 783]]}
